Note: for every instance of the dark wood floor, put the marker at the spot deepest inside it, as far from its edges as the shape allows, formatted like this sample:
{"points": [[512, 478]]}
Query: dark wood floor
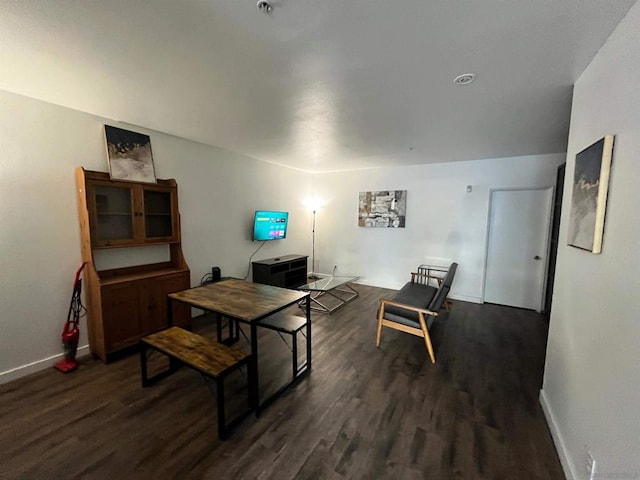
{"points": [[363, 413]]}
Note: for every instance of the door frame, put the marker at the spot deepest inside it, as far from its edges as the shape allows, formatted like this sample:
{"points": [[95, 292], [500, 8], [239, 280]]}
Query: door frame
{"points": [[546, 238], [554, 238]]}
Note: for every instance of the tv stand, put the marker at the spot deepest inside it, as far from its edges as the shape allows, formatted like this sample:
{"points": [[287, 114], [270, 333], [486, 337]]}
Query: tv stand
{"points": [[287, 271]]}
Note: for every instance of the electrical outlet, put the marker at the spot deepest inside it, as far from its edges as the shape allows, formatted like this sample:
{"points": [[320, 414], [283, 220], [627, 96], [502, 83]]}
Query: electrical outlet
{"points": [[591, 466]]}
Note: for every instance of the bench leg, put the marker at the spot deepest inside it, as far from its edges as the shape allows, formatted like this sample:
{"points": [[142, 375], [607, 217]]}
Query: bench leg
{"points": [[174, 365], [222, 431], [250, 380]]}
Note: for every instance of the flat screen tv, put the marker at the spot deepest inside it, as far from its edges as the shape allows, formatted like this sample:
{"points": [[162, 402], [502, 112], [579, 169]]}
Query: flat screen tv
{"points": [[268, 225]]}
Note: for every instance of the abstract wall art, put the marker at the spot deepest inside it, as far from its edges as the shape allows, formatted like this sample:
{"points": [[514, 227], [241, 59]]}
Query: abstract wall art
{"points": [[589, 196], [383, 208], [129, 155]]}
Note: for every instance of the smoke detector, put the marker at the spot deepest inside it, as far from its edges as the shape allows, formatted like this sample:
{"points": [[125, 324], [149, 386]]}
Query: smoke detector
{"points": [[265, 6], [464, 79]]}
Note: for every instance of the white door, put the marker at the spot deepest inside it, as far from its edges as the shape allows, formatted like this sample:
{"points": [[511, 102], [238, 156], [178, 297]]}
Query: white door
{"points": [[517, 247]]}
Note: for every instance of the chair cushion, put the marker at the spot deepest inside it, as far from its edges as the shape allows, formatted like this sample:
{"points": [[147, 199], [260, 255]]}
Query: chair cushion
{"points": [[414, 294]]}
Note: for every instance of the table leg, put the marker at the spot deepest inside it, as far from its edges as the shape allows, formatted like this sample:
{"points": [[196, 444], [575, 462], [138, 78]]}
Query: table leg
{"points": [[218, 318], [233, 329], [308, 312], [169, 312], [255, 387], [143, 364]]}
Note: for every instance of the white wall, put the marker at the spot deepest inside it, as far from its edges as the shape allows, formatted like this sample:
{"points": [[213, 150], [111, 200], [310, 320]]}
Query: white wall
{"points": [[591, 389], [443, 220], [41, 144]]}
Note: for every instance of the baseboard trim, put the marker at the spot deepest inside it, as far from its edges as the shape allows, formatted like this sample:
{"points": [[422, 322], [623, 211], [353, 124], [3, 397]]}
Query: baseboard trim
{"points": [[465, 298], [462, 298], [567, 465], [24, 370]]}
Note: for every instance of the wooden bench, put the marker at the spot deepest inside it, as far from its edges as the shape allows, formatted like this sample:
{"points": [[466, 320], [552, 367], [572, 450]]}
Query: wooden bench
{"points": [[291, 325], [213, 360]]}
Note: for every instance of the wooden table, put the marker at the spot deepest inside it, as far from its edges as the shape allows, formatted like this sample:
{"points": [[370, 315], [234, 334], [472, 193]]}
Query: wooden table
{"points": [[247, 303]]}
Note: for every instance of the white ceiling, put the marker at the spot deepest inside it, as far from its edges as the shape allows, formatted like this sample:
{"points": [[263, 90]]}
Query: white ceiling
{"points": [[320, 86]]}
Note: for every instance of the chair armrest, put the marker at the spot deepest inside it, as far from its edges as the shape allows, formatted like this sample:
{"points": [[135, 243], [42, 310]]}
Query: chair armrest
{"points": [[414, 275], [428, 275], [419, 274], [435, 268], [384, 302]]}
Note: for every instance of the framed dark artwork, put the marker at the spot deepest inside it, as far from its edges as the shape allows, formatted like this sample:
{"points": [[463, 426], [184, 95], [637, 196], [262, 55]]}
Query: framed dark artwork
{"points": [[129, 155], [589, 198], [384, 208]]}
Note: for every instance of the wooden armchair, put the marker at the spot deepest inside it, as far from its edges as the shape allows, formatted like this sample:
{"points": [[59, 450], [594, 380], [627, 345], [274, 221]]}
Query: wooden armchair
{"points": [[414, 308]]}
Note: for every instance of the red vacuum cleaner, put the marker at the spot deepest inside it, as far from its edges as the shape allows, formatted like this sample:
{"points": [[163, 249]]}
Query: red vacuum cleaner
{"points": [[70, 332]]}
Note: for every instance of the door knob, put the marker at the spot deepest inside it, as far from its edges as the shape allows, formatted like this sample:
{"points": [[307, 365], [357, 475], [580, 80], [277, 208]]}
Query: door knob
{"points": [[537, 257]]}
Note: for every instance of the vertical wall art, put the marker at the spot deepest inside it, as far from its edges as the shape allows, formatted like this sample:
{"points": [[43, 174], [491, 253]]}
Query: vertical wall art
{"points": [[385, 208], [129, 155], [589, 199]]}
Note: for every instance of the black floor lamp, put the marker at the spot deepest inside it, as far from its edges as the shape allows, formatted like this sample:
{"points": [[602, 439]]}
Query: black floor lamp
{"points": [[313, 276]]}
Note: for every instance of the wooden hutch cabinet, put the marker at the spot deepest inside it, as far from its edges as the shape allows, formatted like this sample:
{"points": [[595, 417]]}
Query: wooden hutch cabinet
{"points": [[125, 304], [125, 214]]}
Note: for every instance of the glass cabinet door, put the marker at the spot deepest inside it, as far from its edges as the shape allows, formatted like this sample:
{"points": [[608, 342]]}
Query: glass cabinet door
{"points": [[158, 218], [114, 213]]}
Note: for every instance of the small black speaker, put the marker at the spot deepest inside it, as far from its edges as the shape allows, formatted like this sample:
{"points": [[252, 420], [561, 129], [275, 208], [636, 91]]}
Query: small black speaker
{"points": [[215, 274]]}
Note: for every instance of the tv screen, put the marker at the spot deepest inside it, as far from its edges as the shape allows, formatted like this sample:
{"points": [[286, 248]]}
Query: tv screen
{"points": [[269, 225]]}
